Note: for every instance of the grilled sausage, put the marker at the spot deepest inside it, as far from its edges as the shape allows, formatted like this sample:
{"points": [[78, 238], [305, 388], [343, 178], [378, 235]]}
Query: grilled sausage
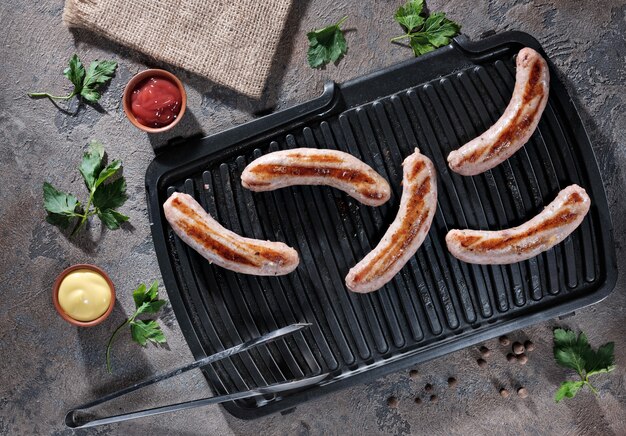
{"points": [[517, 124], [548, 228], [311, 166], [221, 246], [407, 232]]}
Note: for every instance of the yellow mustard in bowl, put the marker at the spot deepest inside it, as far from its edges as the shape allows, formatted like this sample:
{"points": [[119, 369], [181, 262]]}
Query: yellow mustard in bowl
{"points": [[84, 295]]}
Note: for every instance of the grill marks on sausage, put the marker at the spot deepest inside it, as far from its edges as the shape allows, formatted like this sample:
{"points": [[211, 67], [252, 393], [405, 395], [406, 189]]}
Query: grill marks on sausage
{"points": [[360, 178], [193, 226], [477, 243], [533, 87], [473, 157], [516, 129], [522, 120], [271, 170], [413, 222], [542, 232], [316, 158], [308, 166], [417, 168], [203, 235], [573, 199]]}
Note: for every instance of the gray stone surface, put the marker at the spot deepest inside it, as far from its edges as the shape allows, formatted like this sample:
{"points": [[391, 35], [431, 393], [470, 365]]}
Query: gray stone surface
{"points": [[48, 366]]}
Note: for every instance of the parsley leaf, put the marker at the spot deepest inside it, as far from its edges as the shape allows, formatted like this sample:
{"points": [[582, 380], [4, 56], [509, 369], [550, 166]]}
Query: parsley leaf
{"points": [[420, 45], [108, 172], [75, 73], [151, 307], [574, 352], [112, 219], [439, 30], [326, 45], [86, 82], [104, 197], [424, 33], [111, 195], [568, 389], [409, 16], [142, 331], [146, 300], [61, 207], [152, 293], [58, 202], [569, 349], [91, 165], [98, 74], [601, 361], [139, 295]]}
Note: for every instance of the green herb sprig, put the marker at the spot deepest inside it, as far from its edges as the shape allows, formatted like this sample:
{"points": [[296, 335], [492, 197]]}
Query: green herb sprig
{"points": [[104, 198], [424, 33], [574, 352], [87, 82], [326, 45], [142, 331]]}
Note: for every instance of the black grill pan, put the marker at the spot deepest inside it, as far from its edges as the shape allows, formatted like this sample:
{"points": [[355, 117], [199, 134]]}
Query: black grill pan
{"points": [[436, 304]]}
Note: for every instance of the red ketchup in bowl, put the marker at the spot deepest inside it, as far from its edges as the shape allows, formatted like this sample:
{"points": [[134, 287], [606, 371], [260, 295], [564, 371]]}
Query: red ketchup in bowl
{"points": [[156, 102]]}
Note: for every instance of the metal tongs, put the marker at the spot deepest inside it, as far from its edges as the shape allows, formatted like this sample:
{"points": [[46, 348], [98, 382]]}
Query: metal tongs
{"points": [[77, 418]]}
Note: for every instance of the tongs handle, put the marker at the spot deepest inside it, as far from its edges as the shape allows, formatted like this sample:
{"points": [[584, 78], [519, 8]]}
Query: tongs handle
{"points": [[74, 420], [276, 334]]}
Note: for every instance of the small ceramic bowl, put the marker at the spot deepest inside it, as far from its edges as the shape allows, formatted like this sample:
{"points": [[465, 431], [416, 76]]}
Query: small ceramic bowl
{"points": [[140, 77], [57, 285]]}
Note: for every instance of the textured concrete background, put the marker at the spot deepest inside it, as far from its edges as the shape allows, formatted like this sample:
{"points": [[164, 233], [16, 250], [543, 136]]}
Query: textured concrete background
{"points": [[48, 366]]}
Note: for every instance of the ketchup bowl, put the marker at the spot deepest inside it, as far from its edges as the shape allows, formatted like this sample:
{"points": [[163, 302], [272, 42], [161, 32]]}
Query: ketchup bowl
{"points": [[154, 100]]}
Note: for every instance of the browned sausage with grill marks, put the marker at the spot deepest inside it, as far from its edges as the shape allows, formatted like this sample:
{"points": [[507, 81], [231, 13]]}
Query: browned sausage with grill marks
{"points": [[515, 126], [311, 166], [407, 232], [545, 230], [227, 249]]}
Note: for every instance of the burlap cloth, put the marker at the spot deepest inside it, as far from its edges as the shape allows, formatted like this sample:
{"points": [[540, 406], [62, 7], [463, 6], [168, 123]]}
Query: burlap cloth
{"points": [[229, 42]]}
